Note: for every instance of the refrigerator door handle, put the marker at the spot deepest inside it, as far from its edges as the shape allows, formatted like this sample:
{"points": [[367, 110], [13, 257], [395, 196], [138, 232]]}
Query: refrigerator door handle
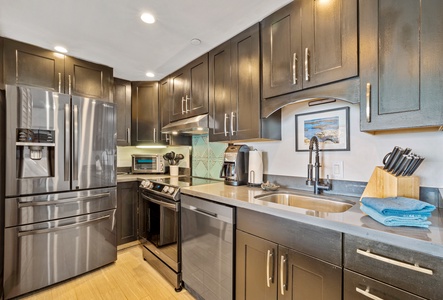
{"points": [[75, 142], [66, 142], [74, 225], [62, 201]]}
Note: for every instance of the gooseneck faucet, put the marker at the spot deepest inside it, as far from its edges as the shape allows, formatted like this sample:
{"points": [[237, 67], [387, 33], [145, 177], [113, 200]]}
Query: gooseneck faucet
{"points": [[317, 182]]}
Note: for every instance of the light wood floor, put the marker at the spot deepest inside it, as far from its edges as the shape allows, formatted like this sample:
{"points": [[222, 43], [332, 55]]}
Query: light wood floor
{"points": [[130, 277]]}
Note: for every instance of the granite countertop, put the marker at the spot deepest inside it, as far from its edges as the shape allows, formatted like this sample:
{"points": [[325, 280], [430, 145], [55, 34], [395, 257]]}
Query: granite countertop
{"points": [[353, 221]]}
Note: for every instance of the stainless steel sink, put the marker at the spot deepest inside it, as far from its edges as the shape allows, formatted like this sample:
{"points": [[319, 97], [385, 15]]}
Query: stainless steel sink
{"points": [[307, 202]]}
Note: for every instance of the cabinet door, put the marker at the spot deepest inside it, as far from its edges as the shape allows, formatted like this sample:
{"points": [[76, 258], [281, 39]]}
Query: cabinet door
{"points": [[145, 113], [359, 287], [122, 100], [329, 42], [401, 78], [197, 94], [164, 95], [281, 46], [88, 79], [127, 218], [245, 84], [178, 90], [256, 268], [220, 92], [25, 64], [305, 277]]}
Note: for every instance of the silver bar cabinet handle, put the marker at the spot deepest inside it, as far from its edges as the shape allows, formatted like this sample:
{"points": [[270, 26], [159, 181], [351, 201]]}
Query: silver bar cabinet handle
{"points": [[232, 123], [368, 102], [269, 278], [75, 143], [414, 267], [59, 82], [282, 274], [67, 147], [183, 109], [70, 84], [225, 129], [128, 133], [186, 103], [294, 68], [307, 77], [367, 293], [155, 131]]}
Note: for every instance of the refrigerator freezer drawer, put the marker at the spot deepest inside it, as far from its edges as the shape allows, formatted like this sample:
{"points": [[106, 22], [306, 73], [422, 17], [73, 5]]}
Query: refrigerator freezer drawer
{"points": [[40, 208], [45, 253]]}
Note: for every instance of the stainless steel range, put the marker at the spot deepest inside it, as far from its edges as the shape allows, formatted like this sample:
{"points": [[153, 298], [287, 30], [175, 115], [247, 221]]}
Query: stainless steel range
{"points": [[159, 227]]}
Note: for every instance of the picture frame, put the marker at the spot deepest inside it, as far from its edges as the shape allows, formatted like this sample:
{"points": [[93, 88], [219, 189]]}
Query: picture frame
{"points": [[330, 126]]}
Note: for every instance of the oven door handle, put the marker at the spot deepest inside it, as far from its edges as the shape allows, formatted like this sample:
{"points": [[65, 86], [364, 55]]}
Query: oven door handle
{"points": [[161, 203]]}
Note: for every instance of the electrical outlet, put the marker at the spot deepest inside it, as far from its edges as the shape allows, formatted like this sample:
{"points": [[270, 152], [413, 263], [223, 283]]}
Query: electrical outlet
{"points": [[337, 169]]}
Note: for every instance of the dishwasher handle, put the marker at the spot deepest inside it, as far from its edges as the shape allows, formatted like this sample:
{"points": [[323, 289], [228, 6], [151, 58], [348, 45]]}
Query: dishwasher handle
{"points": [[215, 211]]}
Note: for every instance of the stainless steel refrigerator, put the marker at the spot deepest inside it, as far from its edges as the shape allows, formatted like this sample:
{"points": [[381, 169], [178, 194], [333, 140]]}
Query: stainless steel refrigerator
{"points": [[60, 187]]}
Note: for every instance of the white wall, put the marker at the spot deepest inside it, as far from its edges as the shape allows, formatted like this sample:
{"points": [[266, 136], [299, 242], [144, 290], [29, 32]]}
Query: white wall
{"points": [[367, 150]]}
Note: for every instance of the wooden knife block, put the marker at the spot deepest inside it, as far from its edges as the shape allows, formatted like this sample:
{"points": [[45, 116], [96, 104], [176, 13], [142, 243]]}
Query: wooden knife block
{"points": [[383, 184]]}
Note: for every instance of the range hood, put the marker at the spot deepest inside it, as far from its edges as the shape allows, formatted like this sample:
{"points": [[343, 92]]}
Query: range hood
{"points": [[192, 126]]}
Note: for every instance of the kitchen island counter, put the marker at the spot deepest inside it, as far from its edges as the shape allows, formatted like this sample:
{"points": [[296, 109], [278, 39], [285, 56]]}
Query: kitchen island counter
{"points": [[353, 221]]}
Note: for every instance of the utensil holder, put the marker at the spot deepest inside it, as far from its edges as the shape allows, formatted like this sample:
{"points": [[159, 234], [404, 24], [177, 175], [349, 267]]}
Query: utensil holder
{"points": [[173, 170], [383, 184]]}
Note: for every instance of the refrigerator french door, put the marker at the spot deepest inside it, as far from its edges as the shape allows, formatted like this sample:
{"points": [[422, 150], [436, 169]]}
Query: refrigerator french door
{"points": [[60, 187]]}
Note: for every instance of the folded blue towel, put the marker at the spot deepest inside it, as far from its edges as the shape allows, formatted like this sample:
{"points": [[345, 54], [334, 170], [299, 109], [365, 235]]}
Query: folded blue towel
{"points": [[417, 221], [399, 206]]}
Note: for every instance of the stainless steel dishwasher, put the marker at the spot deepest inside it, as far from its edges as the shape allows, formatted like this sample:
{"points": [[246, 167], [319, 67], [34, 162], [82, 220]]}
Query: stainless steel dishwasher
{"points": [[207, 248]]}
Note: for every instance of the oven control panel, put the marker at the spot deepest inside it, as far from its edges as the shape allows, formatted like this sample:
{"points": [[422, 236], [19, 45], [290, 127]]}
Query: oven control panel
{"points": [[160, 188]]}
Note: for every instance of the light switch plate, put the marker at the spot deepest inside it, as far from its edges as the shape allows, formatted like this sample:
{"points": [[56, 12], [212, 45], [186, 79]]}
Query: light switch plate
{"points": [[337, 169]]}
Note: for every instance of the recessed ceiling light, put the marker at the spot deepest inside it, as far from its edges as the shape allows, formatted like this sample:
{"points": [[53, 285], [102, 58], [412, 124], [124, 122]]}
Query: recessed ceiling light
{"points": [[147, 18], [150, 74], [61, 49], [196, 42]]}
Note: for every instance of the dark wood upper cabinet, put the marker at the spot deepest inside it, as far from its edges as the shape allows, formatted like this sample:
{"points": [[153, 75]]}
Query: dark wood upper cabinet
{"points": [[234, 88], [88, 79], [400, 64], [309, 43], [281, 51], [164, 100], [30, 65], [189, 89], [122, 100], [145, 113], [26, 64]]}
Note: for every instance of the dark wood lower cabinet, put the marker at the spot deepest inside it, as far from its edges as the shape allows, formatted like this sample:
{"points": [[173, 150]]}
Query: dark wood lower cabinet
{"points": [[359, 287], [127, 217], [266, 270]]}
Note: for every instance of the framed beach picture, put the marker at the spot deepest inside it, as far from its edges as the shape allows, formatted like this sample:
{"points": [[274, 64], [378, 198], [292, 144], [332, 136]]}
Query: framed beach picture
{"points": [[330, 126]]}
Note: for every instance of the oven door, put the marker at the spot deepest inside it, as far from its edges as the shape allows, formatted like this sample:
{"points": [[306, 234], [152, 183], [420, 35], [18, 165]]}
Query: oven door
{"points": [[160, 221]]}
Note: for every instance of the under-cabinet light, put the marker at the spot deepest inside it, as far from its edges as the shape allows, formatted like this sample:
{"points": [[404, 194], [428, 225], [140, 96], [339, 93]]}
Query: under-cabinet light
{"points": [[147, 18], [151, 146]]}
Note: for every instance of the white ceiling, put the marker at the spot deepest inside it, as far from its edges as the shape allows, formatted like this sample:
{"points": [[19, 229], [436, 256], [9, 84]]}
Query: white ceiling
{"points": [[110, 32]]}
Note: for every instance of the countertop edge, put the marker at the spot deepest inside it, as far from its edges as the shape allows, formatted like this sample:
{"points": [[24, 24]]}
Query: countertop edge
{"points": [[415, 244]]}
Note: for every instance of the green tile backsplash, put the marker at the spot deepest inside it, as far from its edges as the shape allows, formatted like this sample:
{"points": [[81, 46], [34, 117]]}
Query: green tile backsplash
{"points": [[207, 158]]}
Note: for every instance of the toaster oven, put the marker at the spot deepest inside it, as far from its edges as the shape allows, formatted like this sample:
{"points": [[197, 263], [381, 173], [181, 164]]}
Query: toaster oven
{"points": [[148, 163]]}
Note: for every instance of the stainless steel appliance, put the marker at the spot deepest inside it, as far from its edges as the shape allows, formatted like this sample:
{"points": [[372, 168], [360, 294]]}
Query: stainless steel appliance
{"points": [[60, 187], [148, 163], [207, 248], [235, 165], [159, 228]]}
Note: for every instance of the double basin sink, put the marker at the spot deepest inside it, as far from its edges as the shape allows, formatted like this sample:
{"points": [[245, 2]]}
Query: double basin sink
{"points": [[320, 204]]}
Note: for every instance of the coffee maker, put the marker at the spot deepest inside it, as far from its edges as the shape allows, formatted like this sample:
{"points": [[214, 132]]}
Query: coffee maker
{"points": [[235, 165]]}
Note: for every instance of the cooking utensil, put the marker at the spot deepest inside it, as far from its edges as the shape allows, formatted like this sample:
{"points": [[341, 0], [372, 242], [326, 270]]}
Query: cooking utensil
{"points": [[405, 162], [387, 160], [399, 160], [415, 166]]}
